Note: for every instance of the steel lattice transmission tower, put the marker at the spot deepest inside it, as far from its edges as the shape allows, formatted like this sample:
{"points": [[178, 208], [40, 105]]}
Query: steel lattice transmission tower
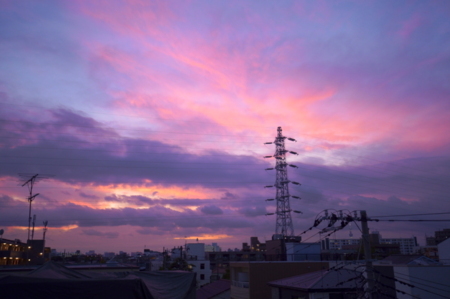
{"points": [[284, 227]]}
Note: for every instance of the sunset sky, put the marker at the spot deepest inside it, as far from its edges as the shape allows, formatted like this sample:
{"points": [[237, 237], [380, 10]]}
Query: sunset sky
{"points": [[152, 117]]}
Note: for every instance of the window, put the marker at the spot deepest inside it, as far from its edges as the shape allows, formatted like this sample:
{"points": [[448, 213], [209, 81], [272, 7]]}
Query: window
{"points": [[202, 266], [202, 276]]}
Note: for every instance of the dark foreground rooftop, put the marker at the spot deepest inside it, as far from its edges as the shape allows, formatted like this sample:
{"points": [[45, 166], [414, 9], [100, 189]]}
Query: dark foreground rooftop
{"points": [[53, 280]]}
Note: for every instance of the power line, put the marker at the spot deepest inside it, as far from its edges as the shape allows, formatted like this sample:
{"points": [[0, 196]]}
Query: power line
{"points": [[420, 220], [415, 283], [406, 215]]}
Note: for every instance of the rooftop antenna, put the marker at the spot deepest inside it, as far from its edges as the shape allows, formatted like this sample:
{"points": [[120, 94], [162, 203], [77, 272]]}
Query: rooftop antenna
{"points": [[284, 227], [32, 230], [45, 231], [30, 180]]}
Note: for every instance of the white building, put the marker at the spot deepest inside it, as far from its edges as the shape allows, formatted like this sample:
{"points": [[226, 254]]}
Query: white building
{"points": [[157, 263], [422, 281], [202, 269], [407, 245], [212, 248], [195, 251], [444, 252], [337, 244]]}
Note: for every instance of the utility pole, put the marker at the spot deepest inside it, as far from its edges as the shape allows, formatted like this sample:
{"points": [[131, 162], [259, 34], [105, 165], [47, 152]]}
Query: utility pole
{"points": [[345, 220], [284, 227], [367, 255]]}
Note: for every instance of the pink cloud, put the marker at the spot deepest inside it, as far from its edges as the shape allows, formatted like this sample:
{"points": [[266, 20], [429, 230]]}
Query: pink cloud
{"points": [[409, 26]]}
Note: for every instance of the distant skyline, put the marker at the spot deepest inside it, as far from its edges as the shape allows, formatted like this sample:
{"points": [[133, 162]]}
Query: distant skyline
{"points": [[152, 117]]}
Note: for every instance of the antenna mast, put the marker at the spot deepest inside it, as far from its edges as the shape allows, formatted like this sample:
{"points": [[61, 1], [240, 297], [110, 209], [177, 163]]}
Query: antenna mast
{"points": [[43, 237], [284, 227], [32, 230], [30, 181]]}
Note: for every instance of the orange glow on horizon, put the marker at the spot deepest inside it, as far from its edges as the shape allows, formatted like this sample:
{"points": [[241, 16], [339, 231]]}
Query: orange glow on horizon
{"points": [[163, 192], [204, 237], [63, 228]]}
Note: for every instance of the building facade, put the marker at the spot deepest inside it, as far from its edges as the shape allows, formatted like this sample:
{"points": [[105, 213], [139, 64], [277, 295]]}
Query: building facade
{"points": [[15, 252], [196, 257], [406, 245], [250, 279]]}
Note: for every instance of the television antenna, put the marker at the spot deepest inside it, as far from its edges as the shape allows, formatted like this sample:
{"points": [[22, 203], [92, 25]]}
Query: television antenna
{"points": [[29, 180]]}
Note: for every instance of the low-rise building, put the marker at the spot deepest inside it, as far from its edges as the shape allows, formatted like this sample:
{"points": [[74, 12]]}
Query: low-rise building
{"points": [[250, 279], [16, 252], [303, 252], [195, 251], [13, 252], [219, 289], [202, 270], [419, 281], [196, 257], [429, 251], [439, 236], [442, 235], [212, 248], [220, 261], [405, 245], [444, 252], [342, 283], [337, 244]]}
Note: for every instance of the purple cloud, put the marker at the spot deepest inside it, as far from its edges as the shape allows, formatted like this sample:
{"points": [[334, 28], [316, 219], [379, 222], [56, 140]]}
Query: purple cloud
{"points": [[88, 196], [95, 233], [211, 210]]}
